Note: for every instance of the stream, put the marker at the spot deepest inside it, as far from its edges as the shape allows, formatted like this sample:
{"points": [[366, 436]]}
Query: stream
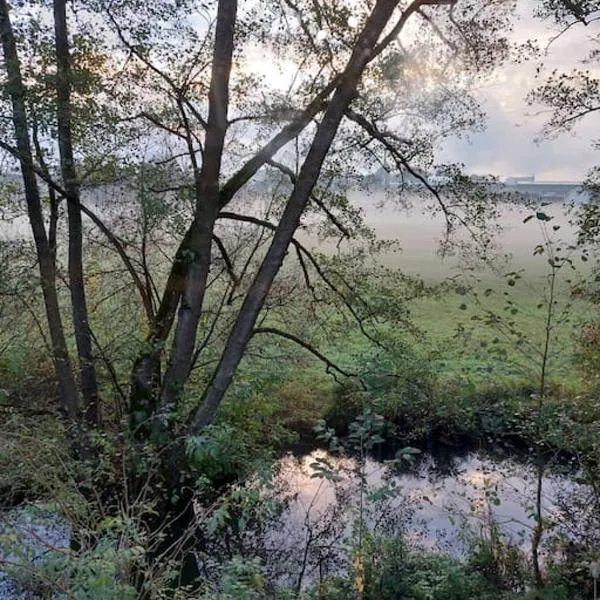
{"points": [[436, 504], [301, 521]]}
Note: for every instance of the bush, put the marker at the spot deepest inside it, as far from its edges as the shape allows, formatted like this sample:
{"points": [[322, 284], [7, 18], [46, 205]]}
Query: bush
{"points": [[388, 570]]}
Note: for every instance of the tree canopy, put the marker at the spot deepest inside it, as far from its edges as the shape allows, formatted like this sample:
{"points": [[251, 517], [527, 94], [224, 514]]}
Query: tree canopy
{"points": [[186, 106]]}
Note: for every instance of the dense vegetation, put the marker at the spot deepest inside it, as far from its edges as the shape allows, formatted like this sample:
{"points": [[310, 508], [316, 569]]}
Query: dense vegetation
{"points": [[191, 287]]}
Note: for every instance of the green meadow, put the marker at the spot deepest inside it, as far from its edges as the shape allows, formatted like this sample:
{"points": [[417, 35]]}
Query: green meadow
{"points": [[512, 283], [474, 325]]}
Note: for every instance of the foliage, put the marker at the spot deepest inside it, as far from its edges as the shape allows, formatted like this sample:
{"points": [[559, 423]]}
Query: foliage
{"points": [[392, 571], [40, 568], [502, 564], [242, 580], [204, 294]]}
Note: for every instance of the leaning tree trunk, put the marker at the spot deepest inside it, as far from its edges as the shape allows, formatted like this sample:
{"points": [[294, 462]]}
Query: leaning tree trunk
{"points": [[16, 91], [146, 369], [242, 330], [83, 335]]}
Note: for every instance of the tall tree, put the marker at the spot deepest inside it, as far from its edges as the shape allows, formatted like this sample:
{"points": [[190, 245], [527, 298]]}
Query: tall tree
{"points": [[83, 336], [16, 89], [330, 104], [379, 84]]}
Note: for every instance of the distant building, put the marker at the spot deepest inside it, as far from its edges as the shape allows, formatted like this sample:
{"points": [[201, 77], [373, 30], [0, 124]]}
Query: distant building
{"points": [[484, 178], [520, 180]]}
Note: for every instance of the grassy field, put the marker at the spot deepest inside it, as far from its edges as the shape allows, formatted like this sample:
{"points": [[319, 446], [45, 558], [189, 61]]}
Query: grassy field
{"points": [[456, 334]]}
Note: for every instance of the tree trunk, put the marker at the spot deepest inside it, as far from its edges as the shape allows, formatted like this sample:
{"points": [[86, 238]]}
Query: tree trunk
{"points": [[144, 377], [83, 337], [145, 374], [309, 173], [187, 281], [16, 91], [207, 206]]}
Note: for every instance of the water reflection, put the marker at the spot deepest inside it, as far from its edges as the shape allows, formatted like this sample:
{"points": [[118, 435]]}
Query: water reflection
{"points": [[302, 527], [439, 508]]}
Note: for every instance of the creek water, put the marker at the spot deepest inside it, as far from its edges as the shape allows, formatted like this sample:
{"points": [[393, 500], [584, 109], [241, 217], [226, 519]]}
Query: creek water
{"points": [[40, 531], [439, 503]]}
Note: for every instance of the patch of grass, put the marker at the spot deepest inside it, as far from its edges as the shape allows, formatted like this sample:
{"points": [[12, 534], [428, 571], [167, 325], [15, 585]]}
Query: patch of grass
{"points": [[461, 332]]}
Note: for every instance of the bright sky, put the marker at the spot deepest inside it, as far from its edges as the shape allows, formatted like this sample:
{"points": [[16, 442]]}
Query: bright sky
{"points": [[507, 147]]}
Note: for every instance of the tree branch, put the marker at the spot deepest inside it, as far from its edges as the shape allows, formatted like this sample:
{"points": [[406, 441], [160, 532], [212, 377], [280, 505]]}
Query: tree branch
{"points": [[292, 176], [289, 336], [228, 264], [176, 88], [112, 238], [155, 121], [293, 129], [287, 134], [414, 7], [302, 250]]}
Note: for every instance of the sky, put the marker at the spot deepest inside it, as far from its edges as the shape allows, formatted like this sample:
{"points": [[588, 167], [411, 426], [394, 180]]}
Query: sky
{"points": [[508, 147]]}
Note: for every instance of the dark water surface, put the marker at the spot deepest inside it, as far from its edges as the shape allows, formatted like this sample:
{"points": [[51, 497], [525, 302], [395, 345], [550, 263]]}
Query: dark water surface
{"points": [[439, 504]]}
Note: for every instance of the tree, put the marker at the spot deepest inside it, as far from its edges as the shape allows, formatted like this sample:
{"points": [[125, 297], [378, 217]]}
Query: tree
{"points": [[68, 390], [378, 83], [83, 337], [570, 96]]}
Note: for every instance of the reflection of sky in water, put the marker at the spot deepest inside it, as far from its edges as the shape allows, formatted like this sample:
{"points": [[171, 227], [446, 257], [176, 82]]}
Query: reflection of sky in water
{"points": [[437, 508]]}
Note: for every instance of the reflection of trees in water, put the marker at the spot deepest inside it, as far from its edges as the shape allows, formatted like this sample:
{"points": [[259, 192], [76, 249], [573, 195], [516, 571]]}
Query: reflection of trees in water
{"points": [[301, 526]]}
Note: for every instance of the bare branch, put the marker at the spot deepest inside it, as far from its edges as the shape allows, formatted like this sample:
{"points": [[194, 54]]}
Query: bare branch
{"points": [[292, 176], [289, 336], [211, 330], [315, 263], [437, 30], [414, 7], [113, 239], [155, 121], [228, 264]]}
